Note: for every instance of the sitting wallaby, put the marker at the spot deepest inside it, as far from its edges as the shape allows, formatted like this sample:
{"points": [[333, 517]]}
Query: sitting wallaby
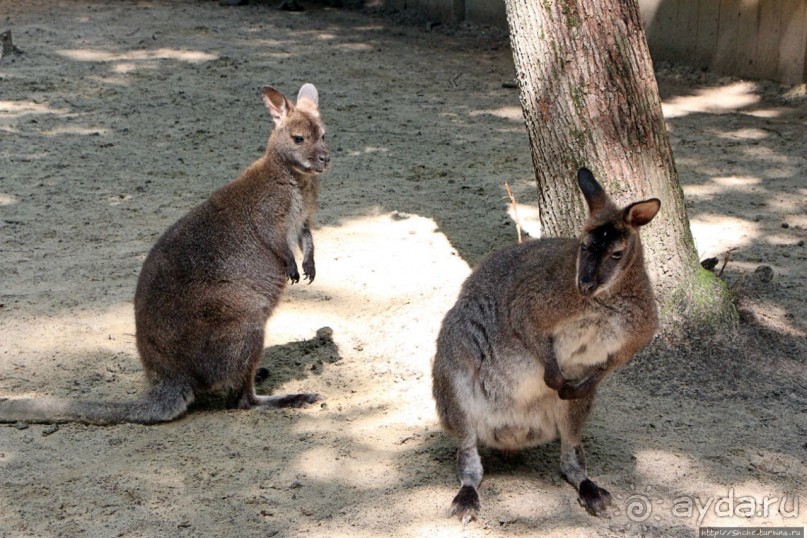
{"points": [[213, 279], [535, 328]]}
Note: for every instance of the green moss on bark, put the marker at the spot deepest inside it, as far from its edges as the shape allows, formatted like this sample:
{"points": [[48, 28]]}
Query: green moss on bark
{"points": [[703, 304]]}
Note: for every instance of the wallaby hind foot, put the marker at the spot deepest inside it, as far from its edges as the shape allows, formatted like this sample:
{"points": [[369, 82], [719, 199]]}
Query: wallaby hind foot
{"points": [[237, 401], [593, 498], [535, 329], [466, 504], [469, 469]]}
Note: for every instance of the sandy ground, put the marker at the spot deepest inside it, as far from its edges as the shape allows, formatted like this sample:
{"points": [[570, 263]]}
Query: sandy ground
{"points": [[121, 116]]}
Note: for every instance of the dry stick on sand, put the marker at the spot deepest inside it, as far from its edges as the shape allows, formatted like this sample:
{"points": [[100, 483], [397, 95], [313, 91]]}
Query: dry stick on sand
{"points": [[515, 210], [725, 261]]}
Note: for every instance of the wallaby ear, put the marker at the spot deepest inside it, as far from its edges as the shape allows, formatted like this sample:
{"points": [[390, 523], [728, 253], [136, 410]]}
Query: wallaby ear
{"points": [[277, 104], [640, 213], [596, 198], [308, 91]]}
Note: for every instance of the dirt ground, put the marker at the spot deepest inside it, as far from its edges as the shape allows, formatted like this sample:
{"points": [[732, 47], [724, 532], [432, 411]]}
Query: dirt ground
{"points": [[121, 116]]}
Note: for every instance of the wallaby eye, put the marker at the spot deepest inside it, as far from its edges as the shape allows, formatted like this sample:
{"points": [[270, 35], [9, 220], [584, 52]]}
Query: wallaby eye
{"points": [[617, 255], [298, 139]]}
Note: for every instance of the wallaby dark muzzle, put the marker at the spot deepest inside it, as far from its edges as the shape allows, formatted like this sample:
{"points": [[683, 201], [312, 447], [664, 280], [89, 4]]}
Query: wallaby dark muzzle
{"points": [[323, 160], [586, 286]]}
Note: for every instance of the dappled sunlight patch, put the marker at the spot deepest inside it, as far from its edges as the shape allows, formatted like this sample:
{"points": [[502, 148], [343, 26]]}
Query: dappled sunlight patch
{"points": [[764, 153], [360, 468], [18, 109], [391, 258], [542, 500], [715, 234], [266, 42], [768, 113], [279, 55], [125, 68], [792, 205], [650, 463], [7, 199], [367, 150], [744, 134], [76, 130], [109, 328], [94, 55], [718, 100], [722, 184], [680, 491], [737, 181], [353, 46], [420, 511], [528, 217], [117, 80], [384, 282], [767, 313], [513, 113], [782, 239]]}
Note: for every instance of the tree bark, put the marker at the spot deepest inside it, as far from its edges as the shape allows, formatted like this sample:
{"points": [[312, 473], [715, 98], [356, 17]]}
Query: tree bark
{"points": [[590, 98]]}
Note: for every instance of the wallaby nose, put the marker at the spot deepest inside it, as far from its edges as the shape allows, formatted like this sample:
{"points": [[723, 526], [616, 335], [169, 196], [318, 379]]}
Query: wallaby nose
{"points": [[585, 285]]}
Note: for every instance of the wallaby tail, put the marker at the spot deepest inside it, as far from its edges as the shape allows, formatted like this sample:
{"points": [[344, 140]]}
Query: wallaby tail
{"points": [[161, 403]]}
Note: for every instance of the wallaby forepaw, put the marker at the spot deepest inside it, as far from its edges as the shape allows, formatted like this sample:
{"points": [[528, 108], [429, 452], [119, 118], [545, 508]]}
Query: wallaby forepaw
{"points": [[309, 271], [556, 381], [575, 391], [298, 400], [292, 273], [465, 504], [569, 392], [593, 498]]}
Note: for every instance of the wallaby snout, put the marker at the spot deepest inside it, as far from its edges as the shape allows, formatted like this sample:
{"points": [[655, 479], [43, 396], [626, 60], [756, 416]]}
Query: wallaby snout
{"points": [[586, 285], [322, 159]]}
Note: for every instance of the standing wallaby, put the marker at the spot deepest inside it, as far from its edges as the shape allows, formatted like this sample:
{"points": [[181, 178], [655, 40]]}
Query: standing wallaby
{"points": [[213, 279], [535, 328]]}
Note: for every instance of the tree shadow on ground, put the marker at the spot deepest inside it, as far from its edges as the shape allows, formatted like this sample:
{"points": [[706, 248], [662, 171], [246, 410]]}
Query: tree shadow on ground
{"points": [[282, 363]]}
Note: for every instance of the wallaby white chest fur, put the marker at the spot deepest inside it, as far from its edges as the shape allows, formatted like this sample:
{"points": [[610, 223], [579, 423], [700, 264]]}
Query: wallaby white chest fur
{"points": [[587, 341], [296, 219]]}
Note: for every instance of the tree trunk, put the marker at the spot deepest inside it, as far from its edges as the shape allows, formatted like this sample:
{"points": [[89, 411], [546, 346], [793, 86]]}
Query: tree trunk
{"points": [[590, 98]]}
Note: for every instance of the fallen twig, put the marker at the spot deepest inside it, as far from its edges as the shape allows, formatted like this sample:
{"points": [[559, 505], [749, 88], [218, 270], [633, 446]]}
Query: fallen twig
{"points": [[515, 210], [725, 261]]}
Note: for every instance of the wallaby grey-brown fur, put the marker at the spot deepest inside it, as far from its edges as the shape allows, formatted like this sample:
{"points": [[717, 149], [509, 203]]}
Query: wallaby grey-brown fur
{"points": [[210, 283], [535, 329]]}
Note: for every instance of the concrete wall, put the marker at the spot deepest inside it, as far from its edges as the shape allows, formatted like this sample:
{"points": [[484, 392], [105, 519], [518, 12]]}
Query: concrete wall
{"points": [[747, 38]]}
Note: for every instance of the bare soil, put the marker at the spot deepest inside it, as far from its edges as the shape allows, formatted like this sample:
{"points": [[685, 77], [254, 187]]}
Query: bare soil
{"points": [[120, 116]]}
